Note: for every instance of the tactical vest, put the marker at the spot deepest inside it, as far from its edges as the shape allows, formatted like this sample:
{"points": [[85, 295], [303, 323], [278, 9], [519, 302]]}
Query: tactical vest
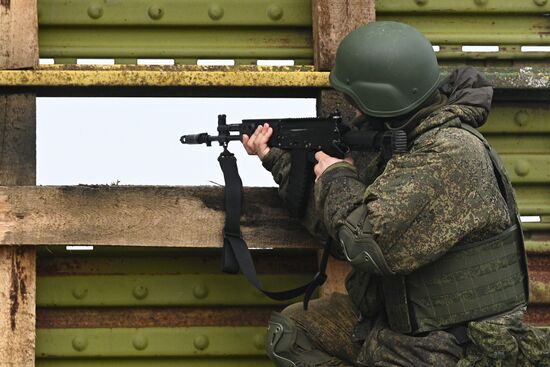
{"points": [[470, 282]]}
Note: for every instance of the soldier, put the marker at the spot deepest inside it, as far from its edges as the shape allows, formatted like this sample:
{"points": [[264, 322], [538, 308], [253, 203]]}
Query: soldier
{"points": [[439, 274]]}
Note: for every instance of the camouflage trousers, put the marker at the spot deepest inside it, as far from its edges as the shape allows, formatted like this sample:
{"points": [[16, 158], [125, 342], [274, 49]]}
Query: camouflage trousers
{"points": [[330, 322]]}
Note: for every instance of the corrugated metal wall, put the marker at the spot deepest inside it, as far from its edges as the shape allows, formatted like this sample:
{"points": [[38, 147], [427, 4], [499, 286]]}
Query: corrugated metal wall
{"points": [[172, 307]]}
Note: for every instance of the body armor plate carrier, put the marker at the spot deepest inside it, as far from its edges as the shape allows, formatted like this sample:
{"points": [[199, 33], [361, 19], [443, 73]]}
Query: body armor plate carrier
{"points": [[470, 282]]}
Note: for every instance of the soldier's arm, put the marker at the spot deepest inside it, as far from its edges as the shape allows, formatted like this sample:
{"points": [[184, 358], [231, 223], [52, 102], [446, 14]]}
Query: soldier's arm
{"points": [[278, 162], [425, 201]]}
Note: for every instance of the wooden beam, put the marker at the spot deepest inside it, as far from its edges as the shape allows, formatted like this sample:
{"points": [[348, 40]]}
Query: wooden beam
{"points": [[141, 216], [18, 34], [332, 21], [17, 139], [17, 264], [336, 275], [18, 50]]}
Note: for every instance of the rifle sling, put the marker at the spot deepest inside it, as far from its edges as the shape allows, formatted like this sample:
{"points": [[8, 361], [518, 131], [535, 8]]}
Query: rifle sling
{"points": [[236, 255]]}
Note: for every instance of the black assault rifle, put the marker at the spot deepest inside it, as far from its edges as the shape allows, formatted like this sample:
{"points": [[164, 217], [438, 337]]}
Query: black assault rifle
{"points": [[302, 137]]}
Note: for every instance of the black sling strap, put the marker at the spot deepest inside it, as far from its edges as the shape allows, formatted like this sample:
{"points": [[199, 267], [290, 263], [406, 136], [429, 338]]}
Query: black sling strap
{"points": [[236, 255]]}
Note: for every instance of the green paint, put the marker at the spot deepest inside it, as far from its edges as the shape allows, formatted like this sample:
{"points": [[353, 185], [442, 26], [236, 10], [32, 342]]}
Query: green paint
{"points": [[190, 13], [528, 168], [460, 6], [538, 247], [159, 290], [518, 118], [150, 342]]}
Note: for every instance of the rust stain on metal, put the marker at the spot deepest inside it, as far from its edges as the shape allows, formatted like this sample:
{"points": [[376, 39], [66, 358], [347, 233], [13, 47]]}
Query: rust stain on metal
{"points": [[303, 262], [538, 315], [110, 317]]}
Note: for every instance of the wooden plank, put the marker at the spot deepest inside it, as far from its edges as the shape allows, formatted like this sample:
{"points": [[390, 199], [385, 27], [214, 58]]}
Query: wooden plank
{"points": [[17, 139], [332, 20], [17, 264], [336, 276], [17, 306], [18, 34], [141, 216]]}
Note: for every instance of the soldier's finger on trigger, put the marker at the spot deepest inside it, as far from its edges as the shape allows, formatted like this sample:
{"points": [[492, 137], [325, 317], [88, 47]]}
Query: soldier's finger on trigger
{"points": [[245, 143], [252, 140]]}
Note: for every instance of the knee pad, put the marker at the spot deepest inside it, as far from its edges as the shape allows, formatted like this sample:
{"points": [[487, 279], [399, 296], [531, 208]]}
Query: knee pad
{"points": [[289, 346]]}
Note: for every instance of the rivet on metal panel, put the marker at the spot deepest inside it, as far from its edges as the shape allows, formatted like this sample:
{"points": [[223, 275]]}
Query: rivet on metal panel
{"points": [[275, 12], [200, 291], [481, 2], [215, 12], [79, 292], [259, 341], [95, 11], [140, 292], [541, 2], [140, 342], [522, 168], [521, 118], [421, 2], [155, 12], [201, 342], [79, 343]]}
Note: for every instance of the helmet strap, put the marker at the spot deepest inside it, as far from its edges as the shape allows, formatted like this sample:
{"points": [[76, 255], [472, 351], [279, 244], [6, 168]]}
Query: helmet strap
{"points": [[406, 123]]}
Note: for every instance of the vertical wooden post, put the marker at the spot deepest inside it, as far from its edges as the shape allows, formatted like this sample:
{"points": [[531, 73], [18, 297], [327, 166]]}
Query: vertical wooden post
{"points": [[18, 50], [332, 21], [18, 34]]}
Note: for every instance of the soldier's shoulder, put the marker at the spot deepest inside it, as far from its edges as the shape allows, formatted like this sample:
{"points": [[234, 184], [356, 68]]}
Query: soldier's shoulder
{"points": [[450, 140]]}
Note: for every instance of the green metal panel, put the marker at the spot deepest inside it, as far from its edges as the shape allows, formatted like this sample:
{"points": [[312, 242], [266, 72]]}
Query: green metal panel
{"points": [[163, 13], [479, 30], [190, 30], [165, 42], [441, 7], [254, 29], [533, 199], [528, 168], [516, 118], [151, 342], [524, 144], [538, 247], [181, 289]]}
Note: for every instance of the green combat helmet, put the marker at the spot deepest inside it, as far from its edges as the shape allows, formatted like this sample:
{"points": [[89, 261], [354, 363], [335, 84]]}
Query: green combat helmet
{"points": [[387, 68]]}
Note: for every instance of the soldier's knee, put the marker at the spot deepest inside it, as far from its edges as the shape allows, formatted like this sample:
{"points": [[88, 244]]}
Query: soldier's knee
{"points": [[289, 346]]}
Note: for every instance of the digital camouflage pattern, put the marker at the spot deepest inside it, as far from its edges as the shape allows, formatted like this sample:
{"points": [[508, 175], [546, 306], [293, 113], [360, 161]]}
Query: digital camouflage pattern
{"points": [[419, 205], [506, 342]]}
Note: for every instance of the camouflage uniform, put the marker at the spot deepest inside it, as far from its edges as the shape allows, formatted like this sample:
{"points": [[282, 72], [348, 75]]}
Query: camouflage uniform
{"points": [[417, 206]]}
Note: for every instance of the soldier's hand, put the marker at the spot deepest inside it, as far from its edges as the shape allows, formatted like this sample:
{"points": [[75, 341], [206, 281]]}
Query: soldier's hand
{"points": [[257, 143], [324, 161]]}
